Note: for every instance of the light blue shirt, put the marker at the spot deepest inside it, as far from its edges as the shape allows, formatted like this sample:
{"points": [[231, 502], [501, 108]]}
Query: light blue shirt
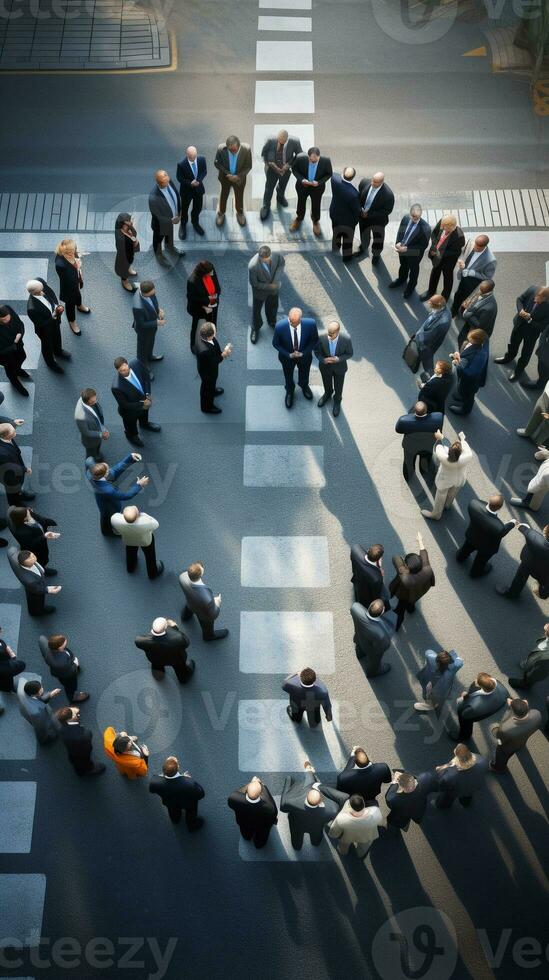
{"points": [[333, 345], [233, 157], [412, 225], [194, 168], [312, 170], [134, 380], [171, 198]]}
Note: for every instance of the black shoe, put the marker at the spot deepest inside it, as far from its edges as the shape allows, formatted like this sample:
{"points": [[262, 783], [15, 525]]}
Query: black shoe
{"points": [[20, 389], [151, 426], [425, 296], [212, 411], [264, 213], [199, 229], [336, 409], [395, 283], [196, 824], [290, 715], [98, 768], [307, 393], [518, 683], [527, 383], [503, 359], [50, 571], [217, 635], [160, 259], [322, 401], [502, 590], [457, 410], [289, 399], [156, 357], [47, 611], [376, 259], [182, 232], [407, 292], [25, 495], [254, 334], [3, 543], [159, 569], [23, 374], [282, 201], [64, 355], [384, 669], [56, 368], [135, 440], [518, 502], [219, 391]]}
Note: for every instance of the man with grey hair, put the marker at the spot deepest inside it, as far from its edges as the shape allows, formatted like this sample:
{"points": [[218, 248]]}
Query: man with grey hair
{"points": [[411, 241], [191, 172], [44, 311], [12, 467], [376, 204], [344, 212], [265, 275], [166, 646], [278, 155], [333, 350], [136, 530]]}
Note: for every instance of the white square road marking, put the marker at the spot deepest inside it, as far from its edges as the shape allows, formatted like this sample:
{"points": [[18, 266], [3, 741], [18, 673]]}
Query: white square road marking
{"points": [[285, 4], [296, 24], [298, 561], [268, 741], [284, 466], [22, 904], [285, 96], [286, 56], [285, 642], [17, 802], [266, 409]]}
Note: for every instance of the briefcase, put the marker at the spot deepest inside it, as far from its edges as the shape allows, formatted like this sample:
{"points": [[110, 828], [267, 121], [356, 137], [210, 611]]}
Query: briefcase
{"points": [[411, 355]]}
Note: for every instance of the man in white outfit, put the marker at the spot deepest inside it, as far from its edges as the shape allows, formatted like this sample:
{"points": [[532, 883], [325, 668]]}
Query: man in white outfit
{"points": [[453, 462], [356, 824], [538, 486], [136, 530]]}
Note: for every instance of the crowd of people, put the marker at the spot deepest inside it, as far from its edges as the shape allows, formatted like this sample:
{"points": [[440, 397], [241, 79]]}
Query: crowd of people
{"points": [[349, 810]]}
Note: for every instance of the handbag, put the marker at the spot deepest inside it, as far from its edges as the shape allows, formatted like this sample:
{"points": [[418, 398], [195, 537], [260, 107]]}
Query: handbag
{"points": [[411, 355]]}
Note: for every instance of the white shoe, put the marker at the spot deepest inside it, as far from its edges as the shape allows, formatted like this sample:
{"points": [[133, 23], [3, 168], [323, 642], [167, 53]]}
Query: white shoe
{"points": [[423, 706], [430, 514]]}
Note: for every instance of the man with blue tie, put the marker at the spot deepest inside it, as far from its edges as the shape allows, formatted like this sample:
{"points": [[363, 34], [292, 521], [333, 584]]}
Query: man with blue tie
{"points": [[233, 162], [191, 172], [295, 339], [333, 351], [412, 239], [131, 390], [312, 172], [344, 212], [147, 317], [165, 208]]}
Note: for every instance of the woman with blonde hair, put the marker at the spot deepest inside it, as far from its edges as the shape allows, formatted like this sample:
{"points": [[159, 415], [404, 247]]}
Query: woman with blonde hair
{"points": [[68, 266], [447, 244]]}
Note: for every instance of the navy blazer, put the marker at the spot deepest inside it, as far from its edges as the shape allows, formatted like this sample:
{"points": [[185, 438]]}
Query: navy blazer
{"points": [[283, 342], [345, 204], [108, 497], [308, 698], [473, 366], [419, 239], [144, 318], [433, 330], [161, 212], [128, 397], [410, 423], [185, 174]]}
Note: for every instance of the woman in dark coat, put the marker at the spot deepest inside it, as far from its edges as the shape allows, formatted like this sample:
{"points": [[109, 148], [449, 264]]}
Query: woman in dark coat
{"points": [[68, 266], [203, 291], [12, 350], [125, 237], [32, 533], [447, 244], [10, 666], [471, 365]]}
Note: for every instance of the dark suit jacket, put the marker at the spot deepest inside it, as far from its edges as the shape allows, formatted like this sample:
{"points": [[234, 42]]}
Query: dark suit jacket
{"points": [[345, 203], [36, 584], [305, 819], [185, 175], [253, 816], [418, 241], [382, 205], [473, 367], [293, 148], [366, 781], [450, 249], [308, 698], [179, 791], [435, 391], [243, 163], [8, 333], [128, 397], [69, 280], [208, 359], [344, 350], [535, 557], [536, 667], [372, 635], [411, 424], [108, 497], [475, 705], [513, 732], [61, 662], [540, 316], [145, 318], [410, 806], [197, 294], [9, 668], [39, 315], [367, 578], [411, 587], [283, 342], [485, 531], [199, 598], [31, 537], [169, 650], [161, 212], [324, 170], [78, 742], [482, 313], [12, 466], [433, 330], [463, 782]]}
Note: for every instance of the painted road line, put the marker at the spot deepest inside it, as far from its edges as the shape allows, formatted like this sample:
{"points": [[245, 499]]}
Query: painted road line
{"points": [[267, 412], [269, 742], [16, 406], [284, 466], [285, 642], [284, 56], [15, 273], [22, 904], [17, 803], [285, 4], [297, 24], [285, 96], [285, 562]]}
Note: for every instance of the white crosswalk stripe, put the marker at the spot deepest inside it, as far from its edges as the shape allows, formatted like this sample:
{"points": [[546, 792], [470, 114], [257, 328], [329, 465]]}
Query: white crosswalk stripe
{"points": [[282, 642], [269, 742], [22, 903], [284, 466], [17, 803], [284, 562]]}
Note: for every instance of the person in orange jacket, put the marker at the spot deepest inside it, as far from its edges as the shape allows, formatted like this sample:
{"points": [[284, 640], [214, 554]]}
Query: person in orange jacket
{"points": [[131, 758]]}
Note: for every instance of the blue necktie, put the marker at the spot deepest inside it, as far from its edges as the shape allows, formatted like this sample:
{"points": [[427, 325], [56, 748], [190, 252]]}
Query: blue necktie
{"points": [[172, 198], [194, 169], [409, 232], [134, 380]]}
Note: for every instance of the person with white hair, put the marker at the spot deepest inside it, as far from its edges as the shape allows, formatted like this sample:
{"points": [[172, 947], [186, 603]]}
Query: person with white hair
{"points": [[191, 171], [166, 646], [44, 311], [376, 204], [137, 531]]}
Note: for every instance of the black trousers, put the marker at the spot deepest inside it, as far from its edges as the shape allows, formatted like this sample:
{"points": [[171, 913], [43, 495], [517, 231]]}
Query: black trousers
{"points": [[197, 317], [270, 303], [50, 342], [130, 422], [519, 581], [183, 671], [189, 194], [465, 288], [315, 193], [70, 308], [12, 366], [70, 684], [401, 608], [35, 602], [303, 368], [445, 800], [465, 728], [313, 714], [480, 561], [374, 232], [409, 464], [206, 625], [145, 345], [82, 765], [342, 238], [522, 334], [158, 238], [259, 835], [150, 558], [465, 394], [333, 382], [105, 525], [408, 270], [502, 758], [207, 393], [13, 496], [191, 815], [446, 270], [543, 373], [272, 180]]}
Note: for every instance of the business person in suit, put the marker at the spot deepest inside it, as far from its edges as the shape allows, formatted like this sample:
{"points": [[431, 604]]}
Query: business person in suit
{"points": [[376, 205], [307, 694], [10, 667], [255, 811], [132, 392], [203, 292], [12, 348], [542, 357], [90, 423], [432, 333], [265, 271], [295, 338], [356, 823], [479, 311], [367, 577], [478, 263], [130, 756], [165, 209], [363, 776], [344, 212], [44, 311], [233, 162], [437, 678], [178, 791], [34, 706], [32, 576], [453, 464], [332, 351], [534, 561], [68, 266], [32, 533], [108, 497], [12, 467], [374, 630], [310, 806], [63, 665], [200, 602], [460, 778], [537, 487], [166, 646], [411, 241], [518, 724], [208, 358], [126, 244], [536, 665], [435, 390], [278, 154], [471, 364], [148, 316], [312, 172], [78, 742], [484, 698], [484, 533], [137, 531], [447, 244], [191, 171], [537, 427], [417, 429], [407, 799], [414, 577], [532, 317]]}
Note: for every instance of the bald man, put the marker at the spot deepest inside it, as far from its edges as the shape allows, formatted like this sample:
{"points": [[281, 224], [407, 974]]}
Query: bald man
{"points": [[310, 806], [165, 208], [191, 171], [278, 154], [166, 646], [295, 337], [255, 811], [12, 467], [478, 263], [376, 204], [137, 531], [531, 318], [344, 212]]}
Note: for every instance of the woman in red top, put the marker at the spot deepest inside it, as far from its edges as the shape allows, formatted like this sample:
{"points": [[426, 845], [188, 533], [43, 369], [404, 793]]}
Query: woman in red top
{"points": [[203, 292], [447, 244]]}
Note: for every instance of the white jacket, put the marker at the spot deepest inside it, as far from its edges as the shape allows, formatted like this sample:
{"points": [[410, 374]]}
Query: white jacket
{"points": [[356, 830], [541, 480], [452, 474], [137, 535]]}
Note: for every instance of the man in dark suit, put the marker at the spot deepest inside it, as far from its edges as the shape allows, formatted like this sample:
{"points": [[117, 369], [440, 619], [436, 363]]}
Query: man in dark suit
{"points": [[265, 272], [10, 667], [233, 162], [166, 646], [367, 577], [312, 172], [178, 791], [200, 602], [32, 577], [407, 798], [255, 811], [485, 697], [460, 778], [363, 776], [478, 263], [307, 694], [484, 533], [542, 356], [12, 349], [376, 204], [534, 561], [147, 317], [434, 392], [278, 154], [411, 241], [374, 630], [479, 311], [191, 171], [44, 311], [208, 358], [78, 742], [310, 806], [344, 212], [536, 665], [108, 497], [531, 319], [165, 208], [132, 391], [414, 577], [295, 339], [90, 423], [418, 428], [12, 467], [432, 333], [513, 731], [63, 664], [332, 351]]}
